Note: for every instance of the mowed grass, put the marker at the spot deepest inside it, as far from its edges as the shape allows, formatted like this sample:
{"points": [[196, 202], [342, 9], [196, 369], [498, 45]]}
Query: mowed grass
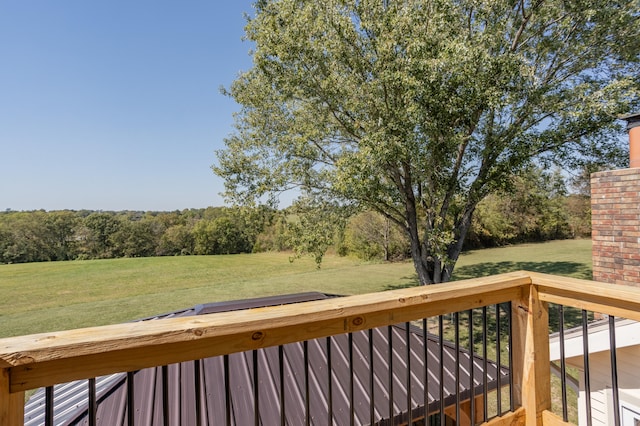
{"points": [[42, 297]]}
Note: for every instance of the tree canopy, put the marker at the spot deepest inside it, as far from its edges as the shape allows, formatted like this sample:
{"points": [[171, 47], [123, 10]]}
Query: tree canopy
{"points": [[418, 109]]}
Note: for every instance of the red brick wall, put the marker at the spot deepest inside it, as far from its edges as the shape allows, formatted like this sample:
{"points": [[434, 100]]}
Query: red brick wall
{"points": [[615, 223]]}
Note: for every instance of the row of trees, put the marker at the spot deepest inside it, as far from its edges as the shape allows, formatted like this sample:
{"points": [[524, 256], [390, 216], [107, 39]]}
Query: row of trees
{"points": [[64, 235], [540, 209]]}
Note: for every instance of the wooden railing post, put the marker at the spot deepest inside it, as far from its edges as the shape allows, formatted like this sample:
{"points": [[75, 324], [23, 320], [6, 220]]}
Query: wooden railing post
{"points": [[11, 404], [531, 369]]}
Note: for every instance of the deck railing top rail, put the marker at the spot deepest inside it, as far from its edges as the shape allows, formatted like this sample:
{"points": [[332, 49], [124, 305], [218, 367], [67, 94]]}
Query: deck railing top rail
{"points": [[136, 345], [611, 299], [48, 358], [28, 362]]}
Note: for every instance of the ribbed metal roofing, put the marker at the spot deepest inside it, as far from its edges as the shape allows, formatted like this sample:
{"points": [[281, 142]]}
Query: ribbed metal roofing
{"points": [[71, 400]]}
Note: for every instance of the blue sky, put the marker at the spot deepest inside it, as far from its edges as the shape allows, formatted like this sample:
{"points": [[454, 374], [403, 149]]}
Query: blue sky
{"points": [[115, 105]]}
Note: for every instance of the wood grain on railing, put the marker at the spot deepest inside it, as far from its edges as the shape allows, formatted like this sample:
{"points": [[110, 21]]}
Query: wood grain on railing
{"points": [[11, 404], [509, 419], [611, 299], [531, 370]]}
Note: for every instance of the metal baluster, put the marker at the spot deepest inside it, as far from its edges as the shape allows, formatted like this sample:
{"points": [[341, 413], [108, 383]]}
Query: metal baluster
{"points": [[563, 366], [485, 396], [498, 361], [409, 405], [587, 381], [48, 397], [305, 350], [351, 396], [472, 384], [425, 342], [614, 370], [330, 384], [93, 407], [283, 413], [165, 394], [456, 321], [510, 348], [198, 394], [130, 399], [390, 344], [227, 390], [441, 372], [371, 380], [256, 389]]}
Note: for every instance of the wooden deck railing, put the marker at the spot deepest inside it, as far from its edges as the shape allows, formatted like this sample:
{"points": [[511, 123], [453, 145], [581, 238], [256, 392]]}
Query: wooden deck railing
{"points": [[29, 362]]}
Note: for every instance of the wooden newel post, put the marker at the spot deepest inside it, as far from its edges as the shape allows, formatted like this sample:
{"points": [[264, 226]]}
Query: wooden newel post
{"points": [[531, 369], [11, 404]]}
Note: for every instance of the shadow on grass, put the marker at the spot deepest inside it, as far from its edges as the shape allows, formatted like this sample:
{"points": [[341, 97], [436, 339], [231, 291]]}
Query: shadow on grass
{"points": [[572, 316], [571, 269]]}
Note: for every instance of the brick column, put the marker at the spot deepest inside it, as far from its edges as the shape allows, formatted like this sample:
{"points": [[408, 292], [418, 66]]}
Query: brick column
{"points": [[615, 223]]}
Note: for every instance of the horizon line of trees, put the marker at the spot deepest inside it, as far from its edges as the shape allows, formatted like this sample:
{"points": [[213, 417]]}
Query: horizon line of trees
{"points": [[539, 208]]}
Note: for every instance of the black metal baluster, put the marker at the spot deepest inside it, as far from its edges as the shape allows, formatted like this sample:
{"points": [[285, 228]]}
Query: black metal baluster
{"points": [[165, 394], [499, 362], [425, 341], [441, 372], [305, 350], [587, 381], [371, 380], [472, 384], [351, 396], [563, 366], [283, 414], [409, 405], [390, 344], [456, 321], [330, 383], [130, 399], [227, 390], [510, 349], [614, 370], [256, 390], [93, 407], [198, 393], [48, 414], [485, 393]]}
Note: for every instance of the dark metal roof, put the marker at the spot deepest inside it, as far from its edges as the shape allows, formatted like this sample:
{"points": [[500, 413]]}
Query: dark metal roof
{"points": [[71, 401]]}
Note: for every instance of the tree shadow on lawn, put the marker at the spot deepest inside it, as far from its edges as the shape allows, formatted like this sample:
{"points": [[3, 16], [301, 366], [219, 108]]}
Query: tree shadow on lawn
{"points": [[572, 316], [571, 269]]}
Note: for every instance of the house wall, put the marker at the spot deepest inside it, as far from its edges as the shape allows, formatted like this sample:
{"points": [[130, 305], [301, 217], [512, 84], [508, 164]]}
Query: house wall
{"points": [[615, 222], [600, 382]]}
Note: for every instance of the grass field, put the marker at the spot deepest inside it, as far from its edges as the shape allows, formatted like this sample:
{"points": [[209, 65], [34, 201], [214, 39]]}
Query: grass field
{"points": [[40, 297]]}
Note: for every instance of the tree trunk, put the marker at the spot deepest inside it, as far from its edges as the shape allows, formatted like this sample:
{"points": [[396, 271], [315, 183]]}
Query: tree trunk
{"points": [[386, 239], [430, 269], [419, 264], [417, 250], [456, 247]]}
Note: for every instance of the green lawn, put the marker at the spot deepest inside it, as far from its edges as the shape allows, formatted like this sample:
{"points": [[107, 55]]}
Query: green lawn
{"points": [[40, 297], [566, 257]]}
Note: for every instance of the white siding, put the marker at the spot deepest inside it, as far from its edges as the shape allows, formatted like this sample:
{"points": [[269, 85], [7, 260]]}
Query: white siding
{"points": [[600, 381]]}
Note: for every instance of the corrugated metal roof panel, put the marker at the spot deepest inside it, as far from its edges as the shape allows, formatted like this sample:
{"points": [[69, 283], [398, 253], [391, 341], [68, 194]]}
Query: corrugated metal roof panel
{"points": [[71, 406]]}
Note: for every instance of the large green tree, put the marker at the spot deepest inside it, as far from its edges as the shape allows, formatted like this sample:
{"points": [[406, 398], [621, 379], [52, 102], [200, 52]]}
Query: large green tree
{"points": [[418, 109]]}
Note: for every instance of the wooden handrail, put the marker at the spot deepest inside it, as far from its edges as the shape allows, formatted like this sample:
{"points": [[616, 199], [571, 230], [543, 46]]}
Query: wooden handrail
{"points": [[28, 362], [611, 299], [50, 358]]}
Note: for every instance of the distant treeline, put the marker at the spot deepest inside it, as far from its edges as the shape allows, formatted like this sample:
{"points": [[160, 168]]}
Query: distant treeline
{"points": [[34, 236], [537, 208]]}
